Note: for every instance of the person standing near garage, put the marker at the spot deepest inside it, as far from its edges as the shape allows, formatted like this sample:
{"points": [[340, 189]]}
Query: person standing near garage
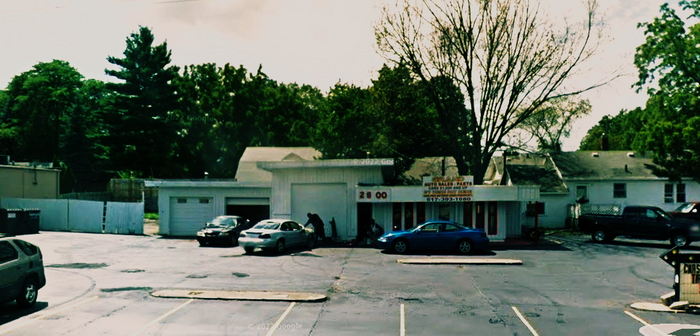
{"points": [[318, 225]]}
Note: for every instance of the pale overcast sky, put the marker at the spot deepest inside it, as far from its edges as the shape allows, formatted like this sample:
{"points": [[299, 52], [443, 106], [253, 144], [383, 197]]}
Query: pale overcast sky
{"points": [[317, 42]]}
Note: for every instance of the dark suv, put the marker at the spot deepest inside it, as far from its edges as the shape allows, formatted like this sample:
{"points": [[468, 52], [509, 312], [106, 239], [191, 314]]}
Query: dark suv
{"points": [[21, 271]]}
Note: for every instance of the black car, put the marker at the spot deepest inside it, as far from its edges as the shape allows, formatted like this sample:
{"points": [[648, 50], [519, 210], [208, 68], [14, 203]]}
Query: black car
{"points": [[21, 271], [222, 230]]}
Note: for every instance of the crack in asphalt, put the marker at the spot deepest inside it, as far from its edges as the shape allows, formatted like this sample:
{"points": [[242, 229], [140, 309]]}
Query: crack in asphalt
{"points": [[333, 285]]}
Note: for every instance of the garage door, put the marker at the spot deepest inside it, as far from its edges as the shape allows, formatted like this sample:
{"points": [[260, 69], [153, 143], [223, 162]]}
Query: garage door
{"points": [[327, 200], [254, 209], [188, 214]]}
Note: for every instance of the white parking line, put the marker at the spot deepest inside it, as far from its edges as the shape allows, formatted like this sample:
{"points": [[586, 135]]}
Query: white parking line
{"points": [[162, 317], [279, 320], [402, 319], [639, 319], [42, 315], [527, 324]]}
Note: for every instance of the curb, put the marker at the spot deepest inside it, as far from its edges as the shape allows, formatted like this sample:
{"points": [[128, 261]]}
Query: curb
{"points": [[659, 307], [459, 261], [240, 295]]}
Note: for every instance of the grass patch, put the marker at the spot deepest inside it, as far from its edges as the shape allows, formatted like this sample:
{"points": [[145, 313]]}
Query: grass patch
{"points": [[150, 215]]}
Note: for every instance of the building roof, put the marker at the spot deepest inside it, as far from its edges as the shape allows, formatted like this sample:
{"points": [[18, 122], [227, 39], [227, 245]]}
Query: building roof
{"points": [[248, 170], [204, 184], [431, 166], [604, 165], [338, 163], [527, 169]]}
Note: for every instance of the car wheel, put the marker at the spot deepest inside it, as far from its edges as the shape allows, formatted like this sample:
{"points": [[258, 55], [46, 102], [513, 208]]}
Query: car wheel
{"points": [[279, 248], [679, 240], [30, 291], [249, 249], [600, 236], [464, 246], [400, 246]]}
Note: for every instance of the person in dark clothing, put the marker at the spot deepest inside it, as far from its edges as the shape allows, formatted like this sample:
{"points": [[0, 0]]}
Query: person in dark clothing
{"points": [[318, 225]]}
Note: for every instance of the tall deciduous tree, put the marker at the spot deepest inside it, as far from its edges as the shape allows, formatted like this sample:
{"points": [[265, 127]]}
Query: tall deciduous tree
{"points": [[669, 68], [38, 104], [503, 56], [553, 121], [143, 131]]}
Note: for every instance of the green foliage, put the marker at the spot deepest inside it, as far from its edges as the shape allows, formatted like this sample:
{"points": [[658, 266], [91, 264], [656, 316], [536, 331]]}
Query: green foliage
{"points": [[142, 133], [669, 68], [39, 104], [151, 215], [553, 120]]}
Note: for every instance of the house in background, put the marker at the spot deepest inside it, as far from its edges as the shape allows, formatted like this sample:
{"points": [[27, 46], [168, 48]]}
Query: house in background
{"points": [[28, 180], [603, 179]]}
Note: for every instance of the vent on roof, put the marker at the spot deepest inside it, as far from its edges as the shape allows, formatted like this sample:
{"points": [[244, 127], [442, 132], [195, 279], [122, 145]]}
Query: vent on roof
{"points": [[595, 154], [630, 154]]}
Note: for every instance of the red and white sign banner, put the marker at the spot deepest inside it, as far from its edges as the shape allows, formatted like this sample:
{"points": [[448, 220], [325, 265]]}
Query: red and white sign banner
{"points": [[448, 189]]}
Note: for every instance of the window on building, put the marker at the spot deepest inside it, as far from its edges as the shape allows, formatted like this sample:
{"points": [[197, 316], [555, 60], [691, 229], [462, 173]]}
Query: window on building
{"points": [[493, 218], [396, 216], [182, 200], [444, 211], [479, 214], [420, 212], [468, 209], [680, 193], [581, 192], [619, 190], [668, 193], [204, 200], [408, 215]]}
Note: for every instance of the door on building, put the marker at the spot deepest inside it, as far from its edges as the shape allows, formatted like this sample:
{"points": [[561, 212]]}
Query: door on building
{"points": [[364, 219], [189, 214], [254, 209], [329, 201]]}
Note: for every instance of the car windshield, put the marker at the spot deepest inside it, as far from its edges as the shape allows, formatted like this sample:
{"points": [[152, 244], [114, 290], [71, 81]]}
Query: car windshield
{"points": [[685, 208], [266, 226], [221, 222]]}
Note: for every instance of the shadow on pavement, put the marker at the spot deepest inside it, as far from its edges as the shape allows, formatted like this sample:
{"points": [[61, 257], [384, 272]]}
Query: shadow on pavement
{"points": [[653, 244], [10, 312]]}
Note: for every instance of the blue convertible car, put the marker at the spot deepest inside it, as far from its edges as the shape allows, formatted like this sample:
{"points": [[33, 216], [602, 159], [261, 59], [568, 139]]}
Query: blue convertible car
{"points": [[435, 235]]}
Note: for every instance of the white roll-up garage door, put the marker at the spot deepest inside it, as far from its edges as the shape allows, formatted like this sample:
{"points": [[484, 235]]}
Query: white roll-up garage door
{"points": [[189, 214], [327, 200]]}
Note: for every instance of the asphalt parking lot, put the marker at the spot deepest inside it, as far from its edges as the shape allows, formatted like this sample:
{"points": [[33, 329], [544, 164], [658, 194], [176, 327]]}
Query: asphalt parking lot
{"points": [[102, 284]]}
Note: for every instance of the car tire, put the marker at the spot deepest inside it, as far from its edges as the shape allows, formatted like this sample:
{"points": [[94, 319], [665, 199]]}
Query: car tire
{"points": [[679, 240], [249, 249], [280, 246], [29, 294], [400, 246], [464, 246], [600, 236]]}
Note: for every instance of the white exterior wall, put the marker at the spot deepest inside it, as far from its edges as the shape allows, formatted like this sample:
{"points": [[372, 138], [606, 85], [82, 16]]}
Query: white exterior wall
{"points": [[284, 179], [218, 195], [640, 192], [555, 210]]}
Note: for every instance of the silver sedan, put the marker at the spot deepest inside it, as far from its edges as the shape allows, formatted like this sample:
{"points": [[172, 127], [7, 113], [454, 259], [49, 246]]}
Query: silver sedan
{"points": [[276, 235]]}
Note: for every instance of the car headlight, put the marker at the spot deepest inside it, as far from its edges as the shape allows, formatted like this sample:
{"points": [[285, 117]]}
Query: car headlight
{"points": [[382, 239], [200, 234], [695, 228]]}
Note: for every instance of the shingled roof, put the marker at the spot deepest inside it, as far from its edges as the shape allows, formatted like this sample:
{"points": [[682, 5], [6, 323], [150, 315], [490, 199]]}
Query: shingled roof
{"points": [[607, 165]]}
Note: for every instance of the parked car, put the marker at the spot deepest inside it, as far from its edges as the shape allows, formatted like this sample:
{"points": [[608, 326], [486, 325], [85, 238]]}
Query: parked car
{"points": [[222, 229], [687, 210], [644, 222], [435, 235], [21, 271], [277, 235]]}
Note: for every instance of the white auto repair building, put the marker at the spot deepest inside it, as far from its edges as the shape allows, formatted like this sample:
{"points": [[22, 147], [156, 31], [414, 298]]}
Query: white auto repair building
{"points": [[291, 182]]}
